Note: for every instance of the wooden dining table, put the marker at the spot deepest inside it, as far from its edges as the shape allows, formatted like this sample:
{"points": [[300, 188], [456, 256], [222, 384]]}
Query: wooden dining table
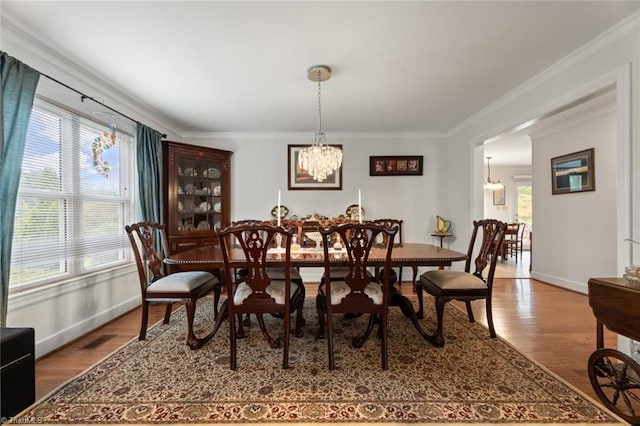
{"points": [[406, 254]]}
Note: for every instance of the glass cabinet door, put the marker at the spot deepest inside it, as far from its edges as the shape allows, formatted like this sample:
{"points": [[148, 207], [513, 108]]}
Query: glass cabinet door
{"points": [[199, 194]]}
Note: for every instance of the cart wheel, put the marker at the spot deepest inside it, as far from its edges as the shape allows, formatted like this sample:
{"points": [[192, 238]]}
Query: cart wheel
{"points": [[615, 377]]}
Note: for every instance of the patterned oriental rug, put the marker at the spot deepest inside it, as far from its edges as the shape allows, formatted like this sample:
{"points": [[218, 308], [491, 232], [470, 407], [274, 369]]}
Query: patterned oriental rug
{"points": [[473, 379]]}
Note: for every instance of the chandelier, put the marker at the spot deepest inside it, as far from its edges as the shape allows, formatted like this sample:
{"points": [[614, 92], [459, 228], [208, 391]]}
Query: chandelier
{"points": [[319, 160], [489, 184]]}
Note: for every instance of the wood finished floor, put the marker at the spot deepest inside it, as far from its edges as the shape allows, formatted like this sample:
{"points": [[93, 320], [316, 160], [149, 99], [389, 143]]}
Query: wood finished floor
{"points": [[553, 326]]}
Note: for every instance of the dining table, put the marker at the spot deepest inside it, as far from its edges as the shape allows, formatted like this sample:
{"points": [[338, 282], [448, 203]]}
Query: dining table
{"points": [[407, 254]]}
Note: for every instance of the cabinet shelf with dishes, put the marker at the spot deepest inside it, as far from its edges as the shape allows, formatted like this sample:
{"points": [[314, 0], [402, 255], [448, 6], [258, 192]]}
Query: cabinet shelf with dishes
{"points": [[197, 198]]}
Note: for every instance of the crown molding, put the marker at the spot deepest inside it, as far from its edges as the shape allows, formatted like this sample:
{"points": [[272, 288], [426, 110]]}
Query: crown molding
{"points": [[53, 62], [307, 137], [622, 29]]}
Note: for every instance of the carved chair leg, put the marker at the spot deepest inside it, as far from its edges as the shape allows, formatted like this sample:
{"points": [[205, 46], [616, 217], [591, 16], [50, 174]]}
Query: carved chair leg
{"points": [[192, 342], [274, 343], [287, 336], [329, 328], [469, 311], [299, 317], [240, 333], [217, 290], [420, 313], [492, 330], [358, 341], [303, 295], [321, 308], [415, 277], [438, 338], [232, 340], [385, 357], [145, 320], [167, 313]]}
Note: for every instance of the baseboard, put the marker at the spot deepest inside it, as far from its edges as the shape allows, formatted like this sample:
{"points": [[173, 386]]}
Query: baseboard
{"points": [[560, 282], [55, 341]]}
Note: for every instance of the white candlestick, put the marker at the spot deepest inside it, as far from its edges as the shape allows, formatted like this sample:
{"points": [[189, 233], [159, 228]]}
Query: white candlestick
{"points": [[359, 206], [278, 209]]}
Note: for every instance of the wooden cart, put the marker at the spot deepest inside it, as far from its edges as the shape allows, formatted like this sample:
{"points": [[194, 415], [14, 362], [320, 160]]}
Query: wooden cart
{"points": [[615, 376]]}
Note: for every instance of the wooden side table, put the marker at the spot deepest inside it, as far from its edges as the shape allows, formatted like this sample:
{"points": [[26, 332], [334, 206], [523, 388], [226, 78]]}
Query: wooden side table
{"points": [[614, 375], [441, 235]]}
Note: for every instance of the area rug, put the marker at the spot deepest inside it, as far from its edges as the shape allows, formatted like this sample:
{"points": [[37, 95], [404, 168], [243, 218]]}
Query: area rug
{"points": [[473, 379]]}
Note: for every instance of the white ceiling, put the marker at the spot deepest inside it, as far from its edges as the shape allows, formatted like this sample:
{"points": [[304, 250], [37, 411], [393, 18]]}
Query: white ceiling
{"points": [[237, 66]]}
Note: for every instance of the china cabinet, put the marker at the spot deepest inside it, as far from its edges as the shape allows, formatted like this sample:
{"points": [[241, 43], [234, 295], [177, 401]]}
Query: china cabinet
{"points": [[196, 194]]}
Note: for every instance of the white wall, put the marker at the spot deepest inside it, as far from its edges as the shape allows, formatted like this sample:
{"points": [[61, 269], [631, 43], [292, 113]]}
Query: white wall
{"points": [[612, 58], [258, 168], [583, 223]]}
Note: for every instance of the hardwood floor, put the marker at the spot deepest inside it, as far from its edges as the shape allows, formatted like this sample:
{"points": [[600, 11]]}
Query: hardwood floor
{"points": [[553, 326]]}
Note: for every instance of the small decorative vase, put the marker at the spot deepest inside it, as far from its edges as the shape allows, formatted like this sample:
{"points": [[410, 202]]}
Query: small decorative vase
{"points": [[442, 225]]}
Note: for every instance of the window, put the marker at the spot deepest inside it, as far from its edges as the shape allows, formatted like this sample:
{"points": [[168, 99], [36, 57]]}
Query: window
{"points": [[70, 215], [524, 208]]}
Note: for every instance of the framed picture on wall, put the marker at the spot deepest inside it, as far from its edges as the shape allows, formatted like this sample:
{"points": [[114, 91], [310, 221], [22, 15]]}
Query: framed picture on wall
{"points": [[498, 197], [573, 172], [300, 179], [395, 165]]}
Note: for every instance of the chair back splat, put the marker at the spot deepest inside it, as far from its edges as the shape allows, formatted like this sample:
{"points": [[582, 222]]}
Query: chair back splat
{"points": [[397, 223], [158, 287], [357, 291], [247, 245], [446, 285]]}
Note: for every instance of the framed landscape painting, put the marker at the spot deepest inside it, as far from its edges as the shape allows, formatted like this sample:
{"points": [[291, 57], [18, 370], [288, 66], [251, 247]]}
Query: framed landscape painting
{"points": [[300, 179], [573, 172]]}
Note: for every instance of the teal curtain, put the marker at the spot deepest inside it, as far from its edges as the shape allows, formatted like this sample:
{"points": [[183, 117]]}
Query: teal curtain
{"points": [[18, 89], [149, 168]]}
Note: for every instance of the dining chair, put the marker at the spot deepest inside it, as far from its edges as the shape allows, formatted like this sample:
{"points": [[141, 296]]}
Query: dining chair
{"points": [[446, 285], [520, 238], [510, 243], [391, 223], [357, 292], [158, 287], [259, 293], [276, 273]]}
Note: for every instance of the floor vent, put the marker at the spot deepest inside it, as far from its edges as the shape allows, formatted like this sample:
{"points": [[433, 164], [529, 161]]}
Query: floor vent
{"points": [[99, 341]]}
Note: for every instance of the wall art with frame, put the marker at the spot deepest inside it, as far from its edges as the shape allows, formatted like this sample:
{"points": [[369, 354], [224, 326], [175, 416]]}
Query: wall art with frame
{"points": [[573, 172], [396, 165], [498, 196], [299, 179]]}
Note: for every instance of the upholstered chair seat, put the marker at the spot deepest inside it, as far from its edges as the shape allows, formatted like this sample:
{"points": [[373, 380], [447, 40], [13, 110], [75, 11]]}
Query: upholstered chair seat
{"points": [[452, 280], [182, 282], [276, 290], [340, 290]]}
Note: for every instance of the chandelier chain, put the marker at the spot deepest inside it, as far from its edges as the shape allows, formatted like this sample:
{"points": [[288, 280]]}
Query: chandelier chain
{"points": [[319, 104]]}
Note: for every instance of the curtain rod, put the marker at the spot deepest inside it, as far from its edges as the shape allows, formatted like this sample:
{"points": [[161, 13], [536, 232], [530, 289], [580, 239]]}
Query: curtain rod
{"points": [[84, 96]]}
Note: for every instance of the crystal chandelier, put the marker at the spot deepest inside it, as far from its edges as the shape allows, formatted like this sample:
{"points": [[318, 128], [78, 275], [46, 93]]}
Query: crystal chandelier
{"points": [[489, 184], [319, 160]]}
